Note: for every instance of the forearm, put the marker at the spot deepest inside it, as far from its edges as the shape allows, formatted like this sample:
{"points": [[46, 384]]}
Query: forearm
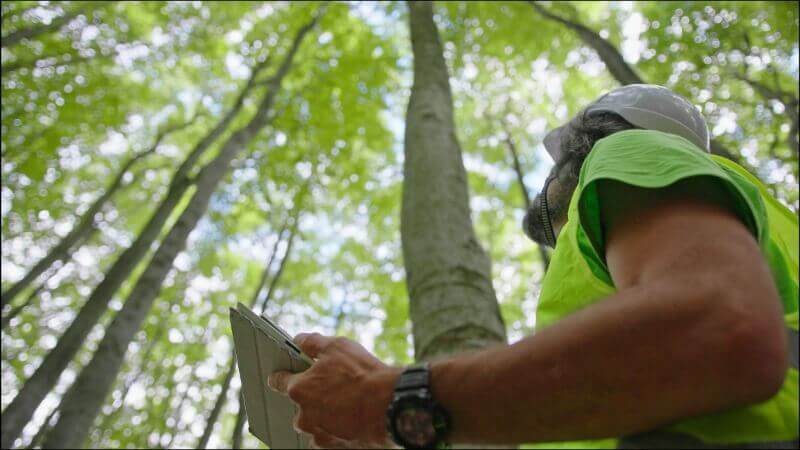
{"points": [[632, 362]]}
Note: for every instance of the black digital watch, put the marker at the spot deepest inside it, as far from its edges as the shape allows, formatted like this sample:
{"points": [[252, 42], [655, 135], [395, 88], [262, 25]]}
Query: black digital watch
{"points": [[414, 420]]}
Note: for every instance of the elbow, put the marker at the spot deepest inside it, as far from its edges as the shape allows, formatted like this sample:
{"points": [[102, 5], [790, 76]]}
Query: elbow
{"points": [[755, 346]]}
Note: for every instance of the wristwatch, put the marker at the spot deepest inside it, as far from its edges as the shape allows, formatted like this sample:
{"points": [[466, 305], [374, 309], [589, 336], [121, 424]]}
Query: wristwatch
{"points": [[414, 420]]}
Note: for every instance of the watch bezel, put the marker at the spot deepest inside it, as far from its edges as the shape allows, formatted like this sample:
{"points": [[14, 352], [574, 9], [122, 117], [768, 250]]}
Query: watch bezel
{"points": [[419, 398]]}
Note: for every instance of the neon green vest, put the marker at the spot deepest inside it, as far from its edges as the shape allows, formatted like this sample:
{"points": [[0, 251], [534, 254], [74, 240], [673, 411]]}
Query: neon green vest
{"points": [[578, 277]]}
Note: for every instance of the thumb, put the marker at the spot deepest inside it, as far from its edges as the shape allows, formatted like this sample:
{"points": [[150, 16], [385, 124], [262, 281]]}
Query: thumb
{"points": [[279, 381]]}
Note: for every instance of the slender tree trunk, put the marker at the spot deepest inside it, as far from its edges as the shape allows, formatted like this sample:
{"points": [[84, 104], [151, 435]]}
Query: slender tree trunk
{"points": [[85, 224], [142, 367], [83, 400], [20, 410], [226, 383], [512, 149], [612, 58], [238, 427], [453, 305], [39, 29], [38, 291], [14, 312], [176, 414], [241, 416]]}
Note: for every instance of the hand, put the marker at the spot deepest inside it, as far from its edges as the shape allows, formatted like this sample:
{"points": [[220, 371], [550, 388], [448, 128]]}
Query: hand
{"points": [[343, 397]]}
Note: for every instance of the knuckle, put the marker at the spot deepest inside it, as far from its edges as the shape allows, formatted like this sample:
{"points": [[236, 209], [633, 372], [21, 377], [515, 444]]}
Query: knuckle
{"points": [[302, 423], [324, 442], [295, 393]]}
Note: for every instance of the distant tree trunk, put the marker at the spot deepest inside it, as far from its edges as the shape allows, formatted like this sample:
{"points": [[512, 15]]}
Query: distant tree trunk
{"points": [[612, 58], [241, 416], [789, 101], [453, 305], [144, 361], [176, 414], [85, 223], [512, 149], [20, 410], [39, 29], [226, 383], [18, 309], [83, 400], [238, 427]]}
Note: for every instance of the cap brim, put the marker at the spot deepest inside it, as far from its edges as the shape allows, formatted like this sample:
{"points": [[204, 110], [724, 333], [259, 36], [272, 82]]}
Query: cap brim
{"points": [[552, 143]]}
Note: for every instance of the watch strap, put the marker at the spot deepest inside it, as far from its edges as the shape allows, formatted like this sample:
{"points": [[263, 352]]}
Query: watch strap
{"points": [[414, 377]]}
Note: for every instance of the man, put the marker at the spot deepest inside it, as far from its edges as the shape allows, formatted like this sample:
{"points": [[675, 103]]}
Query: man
{"points": [[667, 318]]}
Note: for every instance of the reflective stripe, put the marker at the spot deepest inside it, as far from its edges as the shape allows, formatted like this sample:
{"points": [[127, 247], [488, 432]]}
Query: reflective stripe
{"points": [[672, 439]]}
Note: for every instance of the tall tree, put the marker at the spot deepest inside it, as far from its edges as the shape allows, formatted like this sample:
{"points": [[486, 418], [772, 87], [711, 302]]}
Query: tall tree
{"points": [[213, 415], [86, 222], [453, 305], [20, 410], [512, 150], [82, 402]]}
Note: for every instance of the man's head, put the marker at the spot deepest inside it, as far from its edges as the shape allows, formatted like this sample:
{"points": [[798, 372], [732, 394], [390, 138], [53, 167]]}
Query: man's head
{"points": [[644, 106]]}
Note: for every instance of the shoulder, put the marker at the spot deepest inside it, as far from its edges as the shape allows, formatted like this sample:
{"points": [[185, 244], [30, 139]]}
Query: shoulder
{"points": [[633, 171]]}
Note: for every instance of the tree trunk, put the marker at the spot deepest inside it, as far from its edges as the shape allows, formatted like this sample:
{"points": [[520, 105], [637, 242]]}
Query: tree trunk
{"points": [[62, 250], [512, 149], [142, 367], [217, 409], [176, 414], [453, 305], [19, 412], [612, 58], [83, 400], [14, 312], [238, 427]]}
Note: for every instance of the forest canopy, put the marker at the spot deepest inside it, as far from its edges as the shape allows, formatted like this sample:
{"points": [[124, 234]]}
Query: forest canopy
{"points": [[162, 161]]}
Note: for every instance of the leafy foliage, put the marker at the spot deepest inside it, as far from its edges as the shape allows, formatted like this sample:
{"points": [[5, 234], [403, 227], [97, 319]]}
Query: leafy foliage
{"points": [[84, 95]]}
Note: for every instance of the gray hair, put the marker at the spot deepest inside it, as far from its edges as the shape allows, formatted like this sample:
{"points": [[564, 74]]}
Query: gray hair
{"points": [[577, 140], [583, 131]]}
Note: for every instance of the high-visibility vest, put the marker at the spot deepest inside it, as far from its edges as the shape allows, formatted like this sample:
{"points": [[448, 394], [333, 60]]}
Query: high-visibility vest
{"points": [[575, 279]]}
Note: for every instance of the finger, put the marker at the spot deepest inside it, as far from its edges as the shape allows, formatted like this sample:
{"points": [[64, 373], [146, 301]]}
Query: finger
{"points": [[279, 381], [312, 344], [325, 440]]}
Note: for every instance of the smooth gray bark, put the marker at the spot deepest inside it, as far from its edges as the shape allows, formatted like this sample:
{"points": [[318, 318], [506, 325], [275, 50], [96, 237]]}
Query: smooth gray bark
{"points": [[86, 223], [226, 383], [453, 305], [20, 410], [82, 402], [612, 58]]}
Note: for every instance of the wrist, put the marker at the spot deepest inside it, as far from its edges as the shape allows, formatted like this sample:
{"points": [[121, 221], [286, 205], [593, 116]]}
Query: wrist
{"points": [[381, 388]]}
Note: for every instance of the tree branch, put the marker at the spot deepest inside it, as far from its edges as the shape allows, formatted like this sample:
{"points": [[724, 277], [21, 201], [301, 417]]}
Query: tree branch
{"points": [[36, 30]]}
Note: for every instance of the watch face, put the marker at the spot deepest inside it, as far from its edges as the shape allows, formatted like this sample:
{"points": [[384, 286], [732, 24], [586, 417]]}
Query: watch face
{"points": [[415, 425]]}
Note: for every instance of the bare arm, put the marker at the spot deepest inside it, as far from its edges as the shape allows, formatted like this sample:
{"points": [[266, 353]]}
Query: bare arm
{"points": [[695, 327]]}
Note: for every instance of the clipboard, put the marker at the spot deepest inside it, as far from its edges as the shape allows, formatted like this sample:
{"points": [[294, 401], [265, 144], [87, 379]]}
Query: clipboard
{"points": [[261, 349]]}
